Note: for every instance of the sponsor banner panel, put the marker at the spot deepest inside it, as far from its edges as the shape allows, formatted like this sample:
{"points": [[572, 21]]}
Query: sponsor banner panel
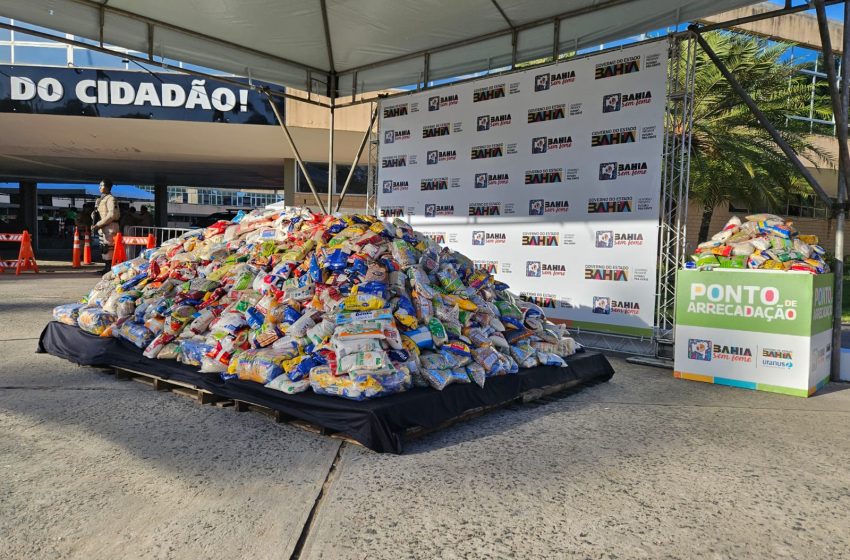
{"points": [[758, 330], [549, 178]]}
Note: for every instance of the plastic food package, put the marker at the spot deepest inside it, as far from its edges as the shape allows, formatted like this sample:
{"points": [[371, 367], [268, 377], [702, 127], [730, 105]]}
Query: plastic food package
{"points": [[170, 351], [323, 382], [191, 351], [95, 320], [260, 366], [476, 373], [68, 313], [763, 218], [343, 305], [439, 379], [156, 345], [745, 248], [363, 362], [136, 333], [766, 242], [285, 385]]}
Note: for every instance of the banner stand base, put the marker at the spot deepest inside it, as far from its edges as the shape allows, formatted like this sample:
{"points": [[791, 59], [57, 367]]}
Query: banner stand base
{"points": [[608, 342], [664, 363]]}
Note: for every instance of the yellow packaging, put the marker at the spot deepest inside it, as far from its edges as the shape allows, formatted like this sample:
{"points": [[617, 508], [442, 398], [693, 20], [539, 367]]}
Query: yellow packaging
{"points": [[352, 231], [221, 272], [409, 345], [773, 265], [464, 304], [408, 321], [809, 239], [290, 365], [362, 302]]}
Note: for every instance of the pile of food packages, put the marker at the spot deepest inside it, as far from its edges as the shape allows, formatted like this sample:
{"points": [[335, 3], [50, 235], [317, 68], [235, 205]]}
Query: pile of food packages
{"points": [[343, 305], [763, 241]]}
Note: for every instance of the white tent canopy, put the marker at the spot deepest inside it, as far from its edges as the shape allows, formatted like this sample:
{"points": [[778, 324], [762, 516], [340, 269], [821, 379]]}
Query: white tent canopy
{"points": [[367, 44]]}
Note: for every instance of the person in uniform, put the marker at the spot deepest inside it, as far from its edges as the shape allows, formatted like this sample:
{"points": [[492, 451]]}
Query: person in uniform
{"points": [[106, 222], [145, 217], [84, 219]]}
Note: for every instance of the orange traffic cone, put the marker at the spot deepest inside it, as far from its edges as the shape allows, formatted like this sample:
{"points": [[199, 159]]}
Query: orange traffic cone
{"points": [[119, 255], [151, 241], [26, 258], [86, 247], [75, 256]]}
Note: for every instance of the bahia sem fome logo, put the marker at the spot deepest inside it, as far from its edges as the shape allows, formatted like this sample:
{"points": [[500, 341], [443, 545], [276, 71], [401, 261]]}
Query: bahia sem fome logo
{"points": [[608, 171], [389, 187], [611, 103], [601, 305], [607, 239], [486, 122], [437, 102], [611, 170], [481, 237], [699, 349], [434, 210], [542, 82], [706, 351], [536, 269], [392, 136], [541, 207], [616, 101], [485, 180]]}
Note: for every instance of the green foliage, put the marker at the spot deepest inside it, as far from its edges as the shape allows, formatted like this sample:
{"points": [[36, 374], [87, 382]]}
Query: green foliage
{"points": [[732, 157]]}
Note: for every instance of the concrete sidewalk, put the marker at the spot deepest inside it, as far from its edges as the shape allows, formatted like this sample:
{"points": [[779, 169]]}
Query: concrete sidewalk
{"points": [[644, 466]]}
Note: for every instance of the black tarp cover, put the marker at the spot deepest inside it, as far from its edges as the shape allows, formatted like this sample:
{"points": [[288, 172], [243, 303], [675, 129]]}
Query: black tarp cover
{"points": [[378, 424]]}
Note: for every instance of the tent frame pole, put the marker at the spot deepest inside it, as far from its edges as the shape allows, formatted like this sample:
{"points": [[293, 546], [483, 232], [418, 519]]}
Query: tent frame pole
{"points": [[366, 136], [331, 166], [840, 96], [295, 152], [835, 96]]}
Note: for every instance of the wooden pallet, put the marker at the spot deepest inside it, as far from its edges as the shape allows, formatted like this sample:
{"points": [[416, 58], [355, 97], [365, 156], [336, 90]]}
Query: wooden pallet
{"points": [[159, 384], [281, 417]]}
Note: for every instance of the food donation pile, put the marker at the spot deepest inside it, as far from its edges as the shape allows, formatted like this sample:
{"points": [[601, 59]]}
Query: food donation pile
{"points": [[346, 305], [764, 241]]}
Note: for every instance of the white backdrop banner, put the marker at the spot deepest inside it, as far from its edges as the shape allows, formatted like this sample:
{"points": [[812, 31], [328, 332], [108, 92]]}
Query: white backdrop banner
{"points": [[550, 178]]}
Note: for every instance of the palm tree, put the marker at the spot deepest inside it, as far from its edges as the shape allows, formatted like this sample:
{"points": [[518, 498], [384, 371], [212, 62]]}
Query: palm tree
{"points": [[732, 157]]}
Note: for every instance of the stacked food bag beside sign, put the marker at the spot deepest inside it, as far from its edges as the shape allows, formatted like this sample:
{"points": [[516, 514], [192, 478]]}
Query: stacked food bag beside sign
{"points": [[764, 241], [757, 311], [348, 306]]}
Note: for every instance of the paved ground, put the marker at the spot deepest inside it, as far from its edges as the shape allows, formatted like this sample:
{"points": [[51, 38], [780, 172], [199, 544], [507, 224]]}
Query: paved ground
{"points": [[642, 467]]}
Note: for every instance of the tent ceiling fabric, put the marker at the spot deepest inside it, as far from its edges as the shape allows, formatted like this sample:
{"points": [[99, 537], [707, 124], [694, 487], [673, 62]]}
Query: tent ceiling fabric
{"points": [[284, 42]]}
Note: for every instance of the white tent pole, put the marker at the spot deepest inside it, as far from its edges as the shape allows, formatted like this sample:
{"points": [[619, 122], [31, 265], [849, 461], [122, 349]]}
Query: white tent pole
{"points": [[331, 167], [295, 153]]}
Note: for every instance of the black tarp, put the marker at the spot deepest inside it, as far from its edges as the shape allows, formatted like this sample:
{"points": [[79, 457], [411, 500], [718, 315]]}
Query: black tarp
{"points": [[378, 424]]}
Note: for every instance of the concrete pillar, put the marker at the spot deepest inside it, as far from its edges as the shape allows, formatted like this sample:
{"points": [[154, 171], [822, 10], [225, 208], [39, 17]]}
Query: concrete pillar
{"points": [[160, 203], [290, 180], [28, 201]]}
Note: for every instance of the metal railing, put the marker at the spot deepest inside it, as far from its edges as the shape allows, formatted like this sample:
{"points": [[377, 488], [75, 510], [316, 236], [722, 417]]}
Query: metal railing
{"points": [[161, 234]]}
